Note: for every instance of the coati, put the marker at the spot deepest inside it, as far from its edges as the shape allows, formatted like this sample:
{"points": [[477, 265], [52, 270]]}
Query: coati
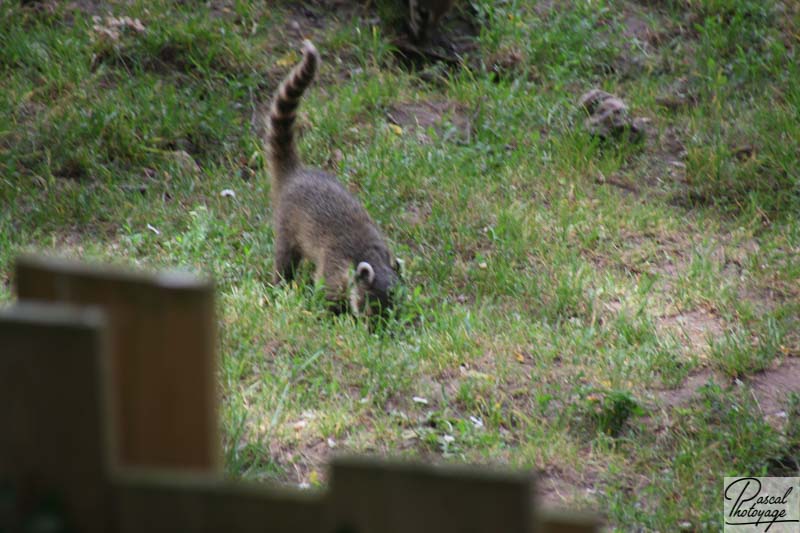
{"points": [[424, 15], [317, 219]]}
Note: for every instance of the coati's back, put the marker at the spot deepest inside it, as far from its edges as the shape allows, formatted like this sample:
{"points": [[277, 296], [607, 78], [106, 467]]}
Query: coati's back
{"points": [[316, 218]]}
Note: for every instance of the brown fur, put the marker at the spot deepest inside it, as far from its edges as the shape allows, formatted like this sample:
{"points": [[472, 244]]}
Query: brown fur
{"points": [[424, 15], [317, 219]]}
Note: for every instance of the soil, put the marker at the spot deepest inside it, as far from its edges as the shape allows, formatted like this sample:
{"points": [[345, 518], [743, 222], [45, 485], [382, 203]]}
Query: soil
{"points": [[445, 117], [770, 389], [693, 329]]}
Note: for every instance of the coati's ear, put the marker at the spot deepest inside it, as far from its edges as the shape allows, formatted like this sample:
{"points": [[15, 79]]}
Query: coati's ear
{"points": [[365, 273]]}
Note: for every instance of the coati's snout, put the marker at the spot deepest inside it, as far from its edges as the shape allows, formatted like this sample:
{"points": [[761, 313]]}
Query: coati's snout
{"points": [[376, 287]]}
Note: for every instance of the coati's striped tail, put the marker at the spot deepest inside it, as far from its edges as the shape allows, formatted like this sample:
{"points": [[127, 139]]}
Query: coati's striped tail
{"points": [[280, 137]]}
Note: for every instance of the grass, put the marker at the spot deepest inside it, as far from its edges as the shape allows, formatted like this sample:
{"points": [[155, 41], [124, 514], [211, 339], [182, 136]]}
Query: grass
{"points": [[559, 289]]}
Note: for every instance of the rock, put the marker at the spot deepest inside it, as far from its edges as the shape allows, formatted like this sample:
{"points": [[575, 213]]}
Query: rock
{"points": [[184, 162], [609, 116]]}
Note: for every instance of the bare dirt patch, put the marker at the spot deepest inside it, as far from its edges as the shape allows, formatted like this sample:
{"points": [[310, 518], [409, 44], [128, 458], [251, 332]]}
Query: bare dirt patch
{"points": [[556, 488], [661, 164], [634, 26], [315, 15], [66, 12], [671, 154], [416, 214], [447, 119], [640, 32], [772, 387], [693, 329], [678, 94], [789, 22], [648, 26], [90, 7], [662, 254], [688, 390], [304, 463], [544, 7]]}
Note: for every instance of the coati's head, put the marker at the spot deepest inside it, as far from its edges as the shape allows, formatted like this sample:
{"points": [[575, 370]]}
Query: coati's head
{"points": [[375, 284]]}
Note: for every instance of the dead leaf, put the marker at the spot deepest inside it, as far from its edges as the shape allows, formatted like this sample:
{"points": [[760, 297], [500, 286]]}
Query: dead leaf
{"points": [[288, 59]]}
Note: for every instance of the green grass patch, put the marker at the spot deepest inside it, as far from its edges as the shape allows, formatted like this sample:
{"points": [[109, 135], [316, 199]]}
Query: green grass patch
{"points": [[561, 294]]}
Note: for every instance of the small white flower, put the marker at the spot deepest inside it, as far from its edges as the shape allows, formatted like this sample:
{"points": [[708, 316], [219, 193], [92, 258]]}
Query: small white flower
{"points": [[477, 422]]}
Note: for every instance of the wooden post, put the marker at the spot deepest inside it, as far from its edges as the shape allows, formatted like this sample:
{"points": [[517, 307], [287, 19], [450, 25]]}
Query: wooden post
{"points": [[163, 361], [367, 496], [53, 435], [166, 502]]}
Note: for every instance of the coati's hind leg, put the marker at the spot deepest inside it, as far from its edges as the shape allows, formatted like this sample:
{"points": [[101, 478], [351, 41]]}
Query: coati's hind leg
{"points": [[287, 261]]}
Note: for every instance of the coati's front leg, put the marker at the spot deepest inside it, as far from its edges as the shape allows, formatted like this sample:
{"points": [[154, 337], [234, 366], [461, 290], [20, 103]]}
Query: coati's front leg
{"points": [[287, 261], [334, 274]]}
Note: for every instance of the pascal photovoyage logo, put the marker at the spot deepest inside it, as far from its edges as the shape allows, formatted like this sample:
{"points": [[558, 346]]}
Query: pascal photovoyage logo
{"points": [[760, 504]]}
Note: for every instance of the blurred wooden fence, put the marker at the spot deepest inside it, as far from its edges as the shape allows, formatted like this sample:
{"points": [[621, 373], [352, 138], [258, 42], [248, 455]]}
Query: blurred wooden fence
{"points": [[108, 423]]}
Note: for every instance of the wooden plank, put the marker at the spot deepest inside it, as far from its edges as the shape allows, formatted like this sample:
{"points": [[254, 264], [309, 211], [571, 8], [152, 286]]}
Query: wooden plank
{"points": [[564, 521], [164, 502], [368, 496], [54, 441], [163, 360]]}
